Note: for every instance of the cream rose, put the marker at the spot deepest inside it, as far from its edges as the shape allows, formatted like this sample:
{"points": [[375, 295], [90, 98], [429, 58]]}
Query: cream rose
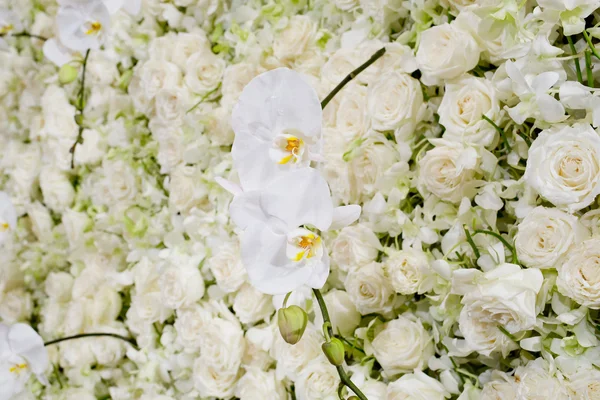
{"points": [[256, 383], [319, 380], [355, 246], [351, 117], [564, 166], [409, 271], [154, 75], [292, 359], [58, 286], [344, 316], [186, 188], [446, 52], [545, 235], [579, 274], [369, 289], [189, 324], [204, 72], [185, 45], [120, 180], [540, 380], [449, 171], [181, 286], [585, 384], [416, 386], [56, 188], [227, 268], [15, 305], [464, 103], [170, 105], [41, 221], [402, 346], [295, 38], [395, 101], [251, 306]]}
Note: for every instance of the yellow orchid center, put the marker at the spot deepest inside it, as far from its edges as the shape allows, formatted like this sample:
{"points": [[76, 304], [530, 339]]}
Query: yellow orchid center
{"points": [[293, 148], [4, 227], [18, 368], [287, 148], [308, 245], [6, 28], [94, 28]]}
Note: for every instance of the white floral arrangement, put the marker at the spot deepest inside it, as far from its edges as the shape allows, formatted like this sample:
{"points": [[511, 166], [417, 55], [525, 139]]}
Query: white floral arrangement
{"points": [[299, 199]]}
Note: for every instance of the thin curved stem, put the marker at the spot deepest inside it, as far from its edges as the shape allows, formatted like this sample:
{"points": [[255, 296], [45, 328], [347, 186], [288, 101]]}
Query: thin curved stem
{"points": [[590, 44], [23, 34], [85, 335], [344, 378], [515, 259], [352, 75], [80, 107]]}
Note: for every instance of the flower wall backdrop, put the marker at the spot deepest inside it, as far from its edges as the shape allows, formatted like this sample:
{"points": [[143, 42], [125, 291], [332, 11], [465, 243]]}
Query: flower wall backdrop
{"points": [[170, 177]]}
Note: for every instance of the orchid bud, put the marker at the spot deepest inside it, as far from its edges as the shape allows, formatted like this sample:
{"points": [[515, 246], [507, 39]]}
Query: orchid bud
{"points": [[292, 322], [67, 74], [334, 350]]}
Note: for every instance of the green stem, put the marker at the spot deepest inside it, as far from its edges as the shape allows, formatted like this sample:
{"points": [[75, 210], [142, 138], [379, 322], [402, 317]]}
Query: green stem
{"points": [[515, 260], [507, 334], [588, 68], [352, 75], [590, 45], [577, 66], [23, 34], [500, 131], [202, 99], [80, 107], [85, 335], [341, 372], [471, 243]]}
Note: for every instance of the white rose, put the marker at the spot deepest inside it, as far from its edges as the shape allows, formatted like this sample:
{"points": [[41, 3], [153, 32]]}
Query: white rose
{"points": [[355, 246], [155, 75], [545, 235], [340, 64], [416, 386], [564, 166], [251, 306], [189, 325], [345, 5], [319, 380], [186, 189], [186, 45], [58, 113], [464, 103], [395, 101], [105, 307], [579, 274], [15, 305], [108, 351], [402, 346], [149, 308], [58, 286], [342, 311], [370, 290], [235, 78], [292, 359], [92, 149], [585, 384], [181, 286], [221, 349], [449, 172], [75, 224], [538, 380], [410, 272], [338, 177], [373, 160], [504, 296], [204, 72], [170, 105], [295, 38], [56, 188], [218, 128], [351, 117], [256, 383], [41, 221], [120, 180], [446, 52], [227, 268], [502, 386]]}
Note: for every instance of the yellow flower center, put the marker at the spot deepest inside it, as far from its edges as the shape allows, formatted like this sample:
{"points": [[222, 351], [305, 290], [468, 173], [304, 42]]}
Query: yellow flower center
{"points": [[4, 227], [292, 147], [6, 28], [308, 244], [95, 27], [18, 368]]}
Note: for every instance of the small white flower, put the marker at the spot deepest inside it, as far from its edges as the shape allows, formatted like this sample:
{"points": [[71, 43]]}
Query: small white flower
{"points": [[564, 166], [370, 290], [8, 217], [22, 353], [416, 386], [277, 125]]}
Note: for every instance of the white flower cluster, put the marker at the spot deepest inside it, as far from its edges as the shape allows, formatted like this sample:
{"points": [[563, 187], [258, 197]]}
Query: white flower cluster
{"points": [[169, 175]]}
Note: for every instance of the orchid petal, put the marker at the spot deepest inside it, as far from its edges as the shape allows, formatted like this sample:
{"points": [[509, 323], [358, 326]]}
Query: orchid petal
{"points": [[231, 187], [25, 342], [344, 216], [544, 81]]}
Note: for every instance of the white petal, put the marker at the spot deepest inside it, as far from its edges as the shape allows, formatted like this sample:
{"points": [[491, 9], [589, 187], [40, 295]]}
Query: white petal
{"points": [[57, 53], [231, 187], [7, 210], [299, 197], [133, 7], [10, 386], [252, 162], [113, 5], [544, 81], [25, 342], [319, 271], [550, 108], [344, 216]]}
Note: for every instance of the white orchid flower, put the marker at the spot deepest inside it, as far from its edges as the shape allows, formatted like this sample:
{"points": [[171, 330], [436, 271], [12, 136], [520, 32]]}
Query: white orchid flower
{"points": [[277, 125], [22, 353], [8, 217], [281, 250]]}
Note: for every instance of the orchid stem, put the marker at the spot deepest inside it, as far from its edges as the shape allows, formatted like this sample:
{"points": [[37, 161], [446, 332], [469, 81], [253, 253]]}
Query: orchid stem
{"points": [[80, 107], [84, 335], [327, 322], [588, 67], [352, 75], [23, 34], [590, 44], [576, 60]]}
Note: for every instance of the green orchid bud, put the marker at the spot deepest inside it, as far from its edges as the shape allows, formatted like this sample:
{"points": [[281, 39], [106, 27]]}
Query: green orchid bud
{"points": [[67, 74], [352, 398], [334, 350], [292, 322]]}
